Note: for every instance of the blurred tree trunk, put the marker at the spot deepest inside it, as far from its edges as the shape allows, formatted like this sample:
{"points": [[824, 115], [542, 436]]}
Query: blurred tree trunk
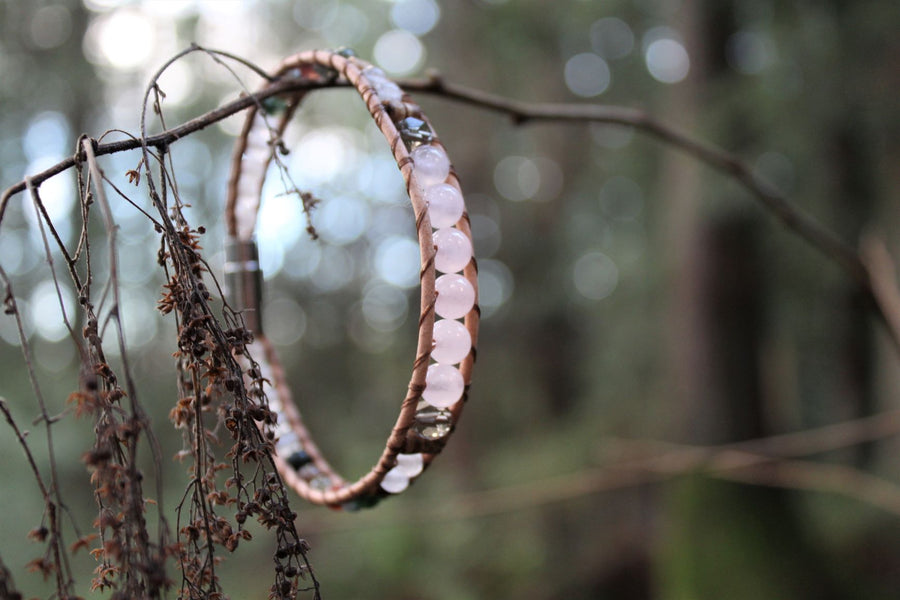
{"points": [[726, 540], [848, 154]]}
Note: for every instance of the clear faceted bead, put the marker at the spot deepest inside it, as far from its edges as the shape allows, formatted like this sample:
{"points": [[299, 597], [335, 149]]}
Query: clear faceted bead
{"points": [[452, 342], [395, 481], [431, 165], [443, 385], [455, 296], [309, 471], [410, 465], [298, 459], [414, 132], [454, 250], [320, 482], [326, 73], [445, 205], [431, 423]]}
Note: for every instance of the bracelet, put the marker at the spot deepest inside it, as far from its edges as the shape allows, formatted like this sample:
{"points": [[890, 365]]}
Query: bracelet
{"points": [[445, 352]]}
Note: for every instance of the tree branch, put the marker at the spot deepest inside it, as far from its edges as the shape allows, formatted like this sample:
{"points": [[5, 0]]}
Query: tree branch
{"points": [[791, 216], [716, 157], [159, 140]]}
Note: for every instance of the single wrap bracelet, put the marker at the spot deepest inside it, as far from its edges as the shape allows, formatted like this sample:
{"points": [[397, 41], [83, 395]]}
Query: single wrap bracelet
{"points": [[449, 314]]}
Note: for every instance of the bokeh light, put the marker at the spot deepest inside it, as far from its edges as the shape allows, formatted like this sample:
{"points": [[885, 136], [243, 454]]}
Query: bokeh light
{"points": [[595, 275], [750, 52], [384, 307], [124, 39], [47, 137], [289, 320], [314, 14], [48, 312], [666, 58], [397, 261], [348, 27], [50, 26], [399, 52], [587, 75], [495, 286], [611, 38], [342, 219], [336, 269], [139, 319], [517, 178], [178, 83], [323, 153], [57, 197], [416, 16]]}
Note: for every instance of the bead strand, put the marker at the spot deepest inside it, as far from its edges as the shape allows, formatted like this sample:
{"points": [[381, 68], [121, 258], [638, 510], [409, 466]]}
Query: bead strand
{"points": [[444, 384]]}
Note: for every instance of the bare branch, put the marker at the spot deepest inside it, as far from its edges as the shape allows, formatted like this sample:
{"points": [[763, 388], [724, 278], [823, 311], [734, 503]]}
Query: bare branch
{"points": [[883, 275], [791, 216], [770, 461], [718, 158]]}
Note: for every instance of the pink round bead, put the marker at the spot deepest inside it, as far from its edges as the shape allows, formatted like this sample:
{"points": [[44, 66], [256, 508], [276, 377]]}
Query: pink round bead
{"points": [[387, 90], [410, 465], [443, 386], [455, 296], [395, 481], [430, 165], [445, 205], [454, 250], [452, 342]]}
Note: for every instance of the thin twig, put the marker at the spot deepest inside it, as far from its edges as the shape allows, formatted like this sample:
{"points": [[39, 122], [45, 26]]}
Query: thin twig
{"points": [[883, 275], [521, 112], [768, 461], [716, 157], [161, 139], [61, 564], [790, 215]]}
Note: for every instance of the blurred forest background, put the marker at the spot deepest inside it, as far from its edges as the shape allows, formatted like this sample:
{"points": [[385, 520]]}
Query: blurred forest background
{"points": [[629, 293]]}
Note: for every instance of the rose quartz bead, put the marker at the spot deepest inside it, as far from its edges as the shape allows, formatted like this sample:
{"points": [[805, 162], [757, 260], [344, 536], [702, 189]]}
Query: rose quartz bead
{"points": [[430, 165], [452, 342], [443, 386], [410, 464], [387, 90], [445, 205], [395, 481], [455, 296], [454, 250]]}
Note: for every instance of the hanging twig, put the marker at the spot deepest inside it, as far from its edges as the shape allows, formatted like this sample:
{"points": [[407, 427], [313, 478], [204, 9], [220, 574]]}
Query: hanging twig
{"points": [[883, 275]]}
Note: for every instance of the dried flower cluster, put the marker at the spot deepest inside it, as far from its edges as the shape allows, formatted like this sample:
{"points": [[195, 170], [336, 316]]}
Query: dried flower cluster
{"points": [[221, 409], [215, 395]]}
